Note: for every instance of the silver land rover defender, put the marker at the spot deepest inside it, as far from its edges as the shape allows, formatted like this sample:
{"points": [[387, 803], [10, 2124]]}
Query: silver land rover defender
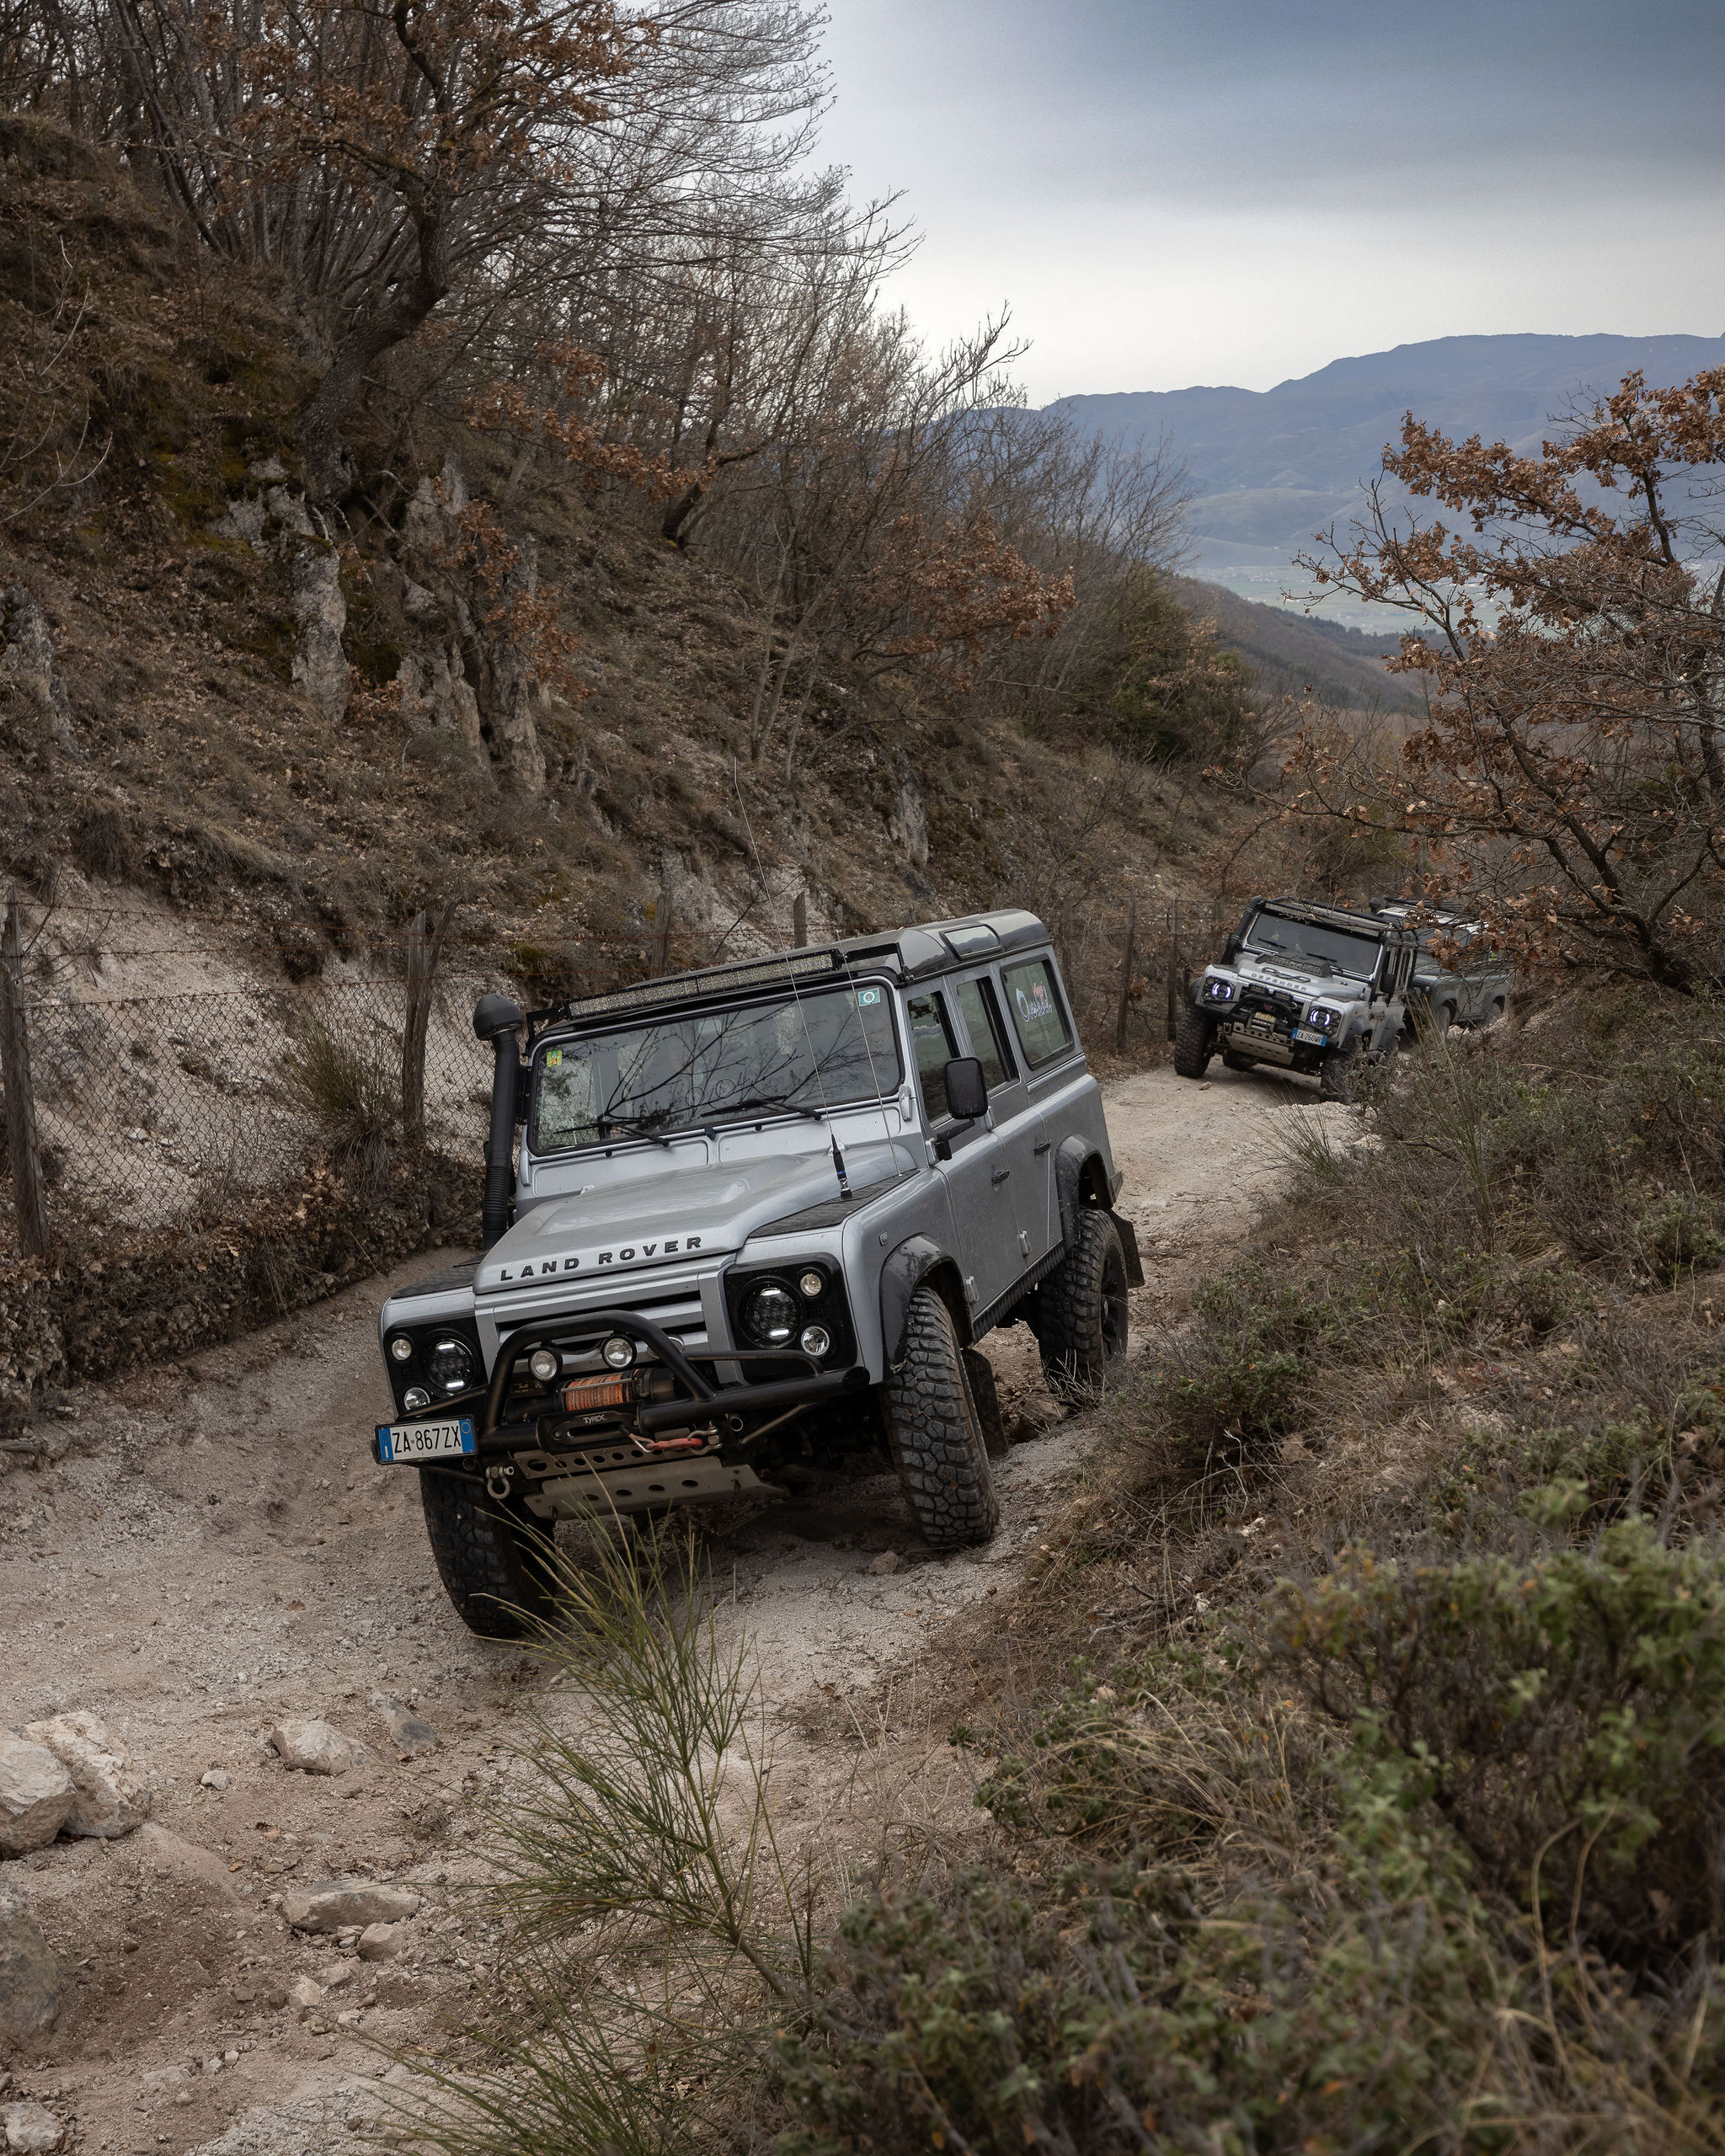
{"points": [[761, 1214], [1318, 989]]}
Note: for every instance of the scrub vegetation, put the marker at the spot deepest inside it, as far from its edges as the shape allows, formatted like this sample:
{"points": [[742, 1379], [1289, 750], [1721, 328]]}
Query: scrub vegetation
{"points": [[1362, 1786]]}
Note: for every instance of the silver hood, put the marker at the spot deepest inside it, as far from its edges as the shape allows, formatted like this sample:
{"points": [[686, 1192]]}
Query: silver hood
{"points": [[665, 1217]]}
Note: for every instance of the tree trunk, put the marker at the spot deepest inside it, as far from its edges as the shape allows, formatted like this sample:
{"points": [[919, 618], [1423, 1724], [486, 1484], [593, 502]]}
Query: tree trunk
{"points": [[1126, 982], [20, 1100], [424, 941], [317, 428]]}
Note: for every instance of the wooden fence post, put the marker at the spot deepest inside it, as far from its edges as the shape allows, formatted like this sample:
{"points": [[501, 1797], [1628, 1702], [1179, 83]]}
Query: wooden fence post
{"points": [[20, 1101], [659, 961], [799, 920], [1126, 981], [424, 942]]}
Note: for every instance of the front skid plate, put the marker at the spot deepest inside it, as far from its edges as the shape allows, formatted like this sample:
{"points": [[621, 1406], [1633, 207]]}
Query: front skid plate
{"points": [[645, 1485]]}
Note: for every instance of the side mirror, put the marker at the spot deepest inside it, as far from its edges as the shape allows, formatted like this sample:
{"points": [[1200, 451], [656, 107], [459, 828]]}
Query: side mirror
{"points": [[967, 1089], [493, 1015]]}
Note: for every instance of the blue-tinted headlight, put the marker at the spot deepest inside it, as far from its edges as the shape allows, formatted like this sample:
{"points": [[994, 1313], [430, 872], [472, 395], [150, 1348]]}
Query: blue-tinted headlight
{"points": [[1322, 1016], [1219, 991]]}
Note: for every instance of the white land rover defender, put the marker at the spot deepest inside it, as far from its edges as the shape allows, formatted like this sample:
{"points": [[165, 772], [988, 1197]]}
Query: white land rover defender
{"points": [[1317, 988], [760, 1213]]}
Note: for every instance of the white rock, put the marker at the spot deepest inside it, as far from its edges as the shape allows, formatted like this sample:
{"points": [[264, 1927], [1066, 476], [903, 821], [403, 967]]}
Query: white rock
{"points": [[112, 1797], [172, 1857], [379, 1941], [888, 1562], [161, 2079], [304, 1994], [333, 1904], [319, 1747], [35, 1795], [214, 1778], [31, 2127]]}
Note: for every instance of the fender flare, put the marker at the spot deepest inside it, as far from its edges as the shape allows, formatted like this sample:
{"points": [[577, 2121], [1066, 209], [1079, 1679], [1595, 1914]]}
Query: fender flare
{"points": [[904, 1272], [1080, 1180]]}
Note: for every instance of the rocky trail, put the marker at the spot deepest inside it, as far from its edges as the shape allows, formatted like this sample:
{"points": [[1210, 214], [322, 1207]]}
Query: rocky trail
{"points": [[206, 1553]]}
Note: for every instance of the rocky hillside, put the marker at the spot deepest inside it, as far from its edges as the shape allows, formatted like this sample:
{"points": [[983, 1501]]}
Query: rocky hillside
{"points": [[313, 724]]}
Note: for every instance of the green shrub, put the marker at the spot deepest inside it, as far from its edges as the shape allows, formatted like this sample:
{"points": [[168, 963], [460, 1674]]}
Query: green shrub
{"points": [[1566, 1714], [352, 1096]]}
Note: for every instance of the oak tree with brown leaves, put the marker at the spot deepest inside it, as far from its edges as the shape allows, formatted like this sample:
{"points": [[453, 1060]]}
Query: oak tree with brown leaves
{"points": [[1569, 624]]}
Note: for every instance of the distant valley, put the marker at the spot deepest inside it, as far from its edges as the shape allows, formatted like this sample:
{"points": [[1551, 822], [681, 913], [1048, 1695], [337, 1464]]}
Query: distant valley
{"points": [[1275, 465]]}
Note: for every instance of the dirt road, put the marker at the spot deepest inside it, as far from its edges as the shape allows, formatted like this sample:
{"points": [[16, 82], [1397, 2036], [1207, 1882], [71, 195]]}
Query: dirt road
{"points": [[211, 1550]]}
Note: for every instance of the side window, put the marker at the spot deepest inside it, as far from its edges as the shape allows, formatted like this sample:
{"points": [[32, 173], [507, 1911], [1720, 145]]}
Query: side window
{"points": [[1034, 1002], [932, 1039], [976, 1001]]}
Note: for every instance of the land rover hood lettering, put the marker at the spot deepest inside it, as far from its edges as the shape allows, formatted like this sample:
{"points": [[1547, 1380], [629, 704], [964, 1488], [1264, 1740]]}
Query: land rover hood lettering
{"points": [[666, 1218]]}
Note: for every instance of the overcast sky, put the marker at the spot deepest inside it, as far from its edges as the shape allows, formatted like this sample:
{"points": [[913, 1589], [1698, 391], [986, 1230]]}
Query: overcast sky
{"points": [[1178, 191]]}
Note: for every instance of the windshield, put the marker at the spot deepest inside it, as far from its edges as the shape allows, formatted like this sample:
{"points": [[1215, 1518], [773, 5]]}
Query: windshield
{"points": [[680, 1074], [1340, 951]]}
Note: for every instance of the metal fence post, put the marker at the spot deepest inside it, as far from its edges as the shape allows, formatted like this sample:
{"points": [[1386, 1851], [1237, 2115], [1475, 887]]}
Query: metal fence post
{"points": [[20, 1101], [424, 941]]}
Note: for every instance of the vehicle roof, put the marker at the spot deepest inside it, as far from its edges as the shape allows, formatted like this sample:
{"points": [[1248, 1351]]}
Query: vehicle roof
{"points": [[1328, 916], [906, 954]]}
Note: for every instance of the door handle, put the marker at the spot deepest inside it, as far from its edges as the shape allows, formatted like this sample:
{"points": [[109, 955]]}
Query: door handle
{"points": [[1047, 1145], [1000, 1174]]}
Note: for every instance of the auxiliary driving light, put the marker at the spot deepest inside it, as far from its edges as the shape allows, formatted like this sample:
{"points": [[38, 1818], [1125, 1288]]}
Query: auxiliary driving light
{"points": [[545, 1363], [617, 1352], [414, 1398], [810, 1285], [815, 1341], [401, 1348]]}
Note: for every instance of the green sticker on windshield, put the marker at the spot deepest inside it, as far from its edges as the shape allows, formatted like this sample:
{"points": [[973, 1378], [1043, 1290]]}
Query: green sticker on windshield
{"points": [[865, 997], [553, 1057]]}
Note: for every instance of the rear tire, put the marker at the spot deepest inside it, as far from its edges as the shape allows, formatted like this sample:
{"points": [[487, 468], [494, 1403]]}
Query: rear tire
{"points": [[1084, 1321], [484, 1553], [1194, 1043], [934, 1435]]}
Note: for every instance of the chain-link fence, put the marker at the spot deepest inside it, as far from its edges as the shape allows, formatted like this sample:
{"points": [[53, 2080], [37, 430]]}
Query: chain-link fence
{"points": [[152, 1111]]}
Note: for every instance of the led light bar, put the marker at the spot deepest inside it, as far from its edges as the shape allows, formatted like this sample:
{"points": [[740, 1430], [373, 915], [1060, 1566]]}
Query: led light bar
{"points": [[758, 975]]}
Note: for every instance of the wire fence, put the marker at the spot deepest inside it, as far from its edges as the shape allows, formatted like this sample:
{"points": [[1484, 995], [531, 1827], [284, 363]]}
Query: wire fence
{"points": [[123, 1113], [155, 1111]]}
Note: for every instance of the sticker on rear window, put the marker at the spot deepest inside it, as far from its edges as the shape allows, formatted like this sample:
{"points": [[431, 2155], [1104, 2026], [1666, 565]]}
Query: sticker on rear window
{"points": [[865, 997]]}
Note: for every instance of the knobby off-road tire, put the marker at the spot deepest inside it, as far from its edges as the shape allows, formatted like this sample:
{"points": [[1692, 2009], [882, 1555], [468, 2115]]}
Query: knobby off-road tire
{"points": [[1337, 1073], [1194, 1043], [484, 1552], [1084, 1321], [935, 1436]]}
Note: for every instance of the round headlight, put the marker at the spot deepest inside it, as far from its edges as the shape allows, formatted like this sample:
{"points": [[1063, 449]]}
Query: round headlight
{"points": [[414, 1398], [401, 1348], [545, 1363], [1220, 991], [810, 1285], [450, 1365], [1322, 1018], [770, 1314], [618, 1352], [815, 1340]]}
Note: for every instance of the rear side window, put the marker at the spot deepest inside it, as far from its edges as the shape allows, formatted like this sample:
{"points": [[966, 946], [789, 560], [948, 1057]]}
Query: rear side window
{"points": [[932, 1039], [1034, 1002], [977, 1003]]}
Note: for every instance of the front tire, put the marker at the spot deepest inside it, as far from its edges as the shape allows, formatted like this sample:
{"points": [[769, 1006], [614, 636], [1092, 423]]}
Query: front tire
{"points": [[935, 1436], [1194, 1043], [1337, 1073], [484, 1553], [1084, 1321]]}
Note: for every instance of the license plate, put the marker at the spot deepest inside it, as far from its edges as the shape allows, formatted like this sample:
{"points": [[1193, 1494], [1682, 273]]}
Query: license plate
{"points": [[1310, 1033], [400, 1444]]}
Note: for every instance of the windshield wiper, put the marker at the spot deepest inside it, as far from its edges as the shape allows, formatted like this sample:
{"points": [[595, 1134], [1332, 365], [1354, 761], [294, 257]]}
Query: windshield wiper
{"points": [[776, 1100], [635, 1130]]}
